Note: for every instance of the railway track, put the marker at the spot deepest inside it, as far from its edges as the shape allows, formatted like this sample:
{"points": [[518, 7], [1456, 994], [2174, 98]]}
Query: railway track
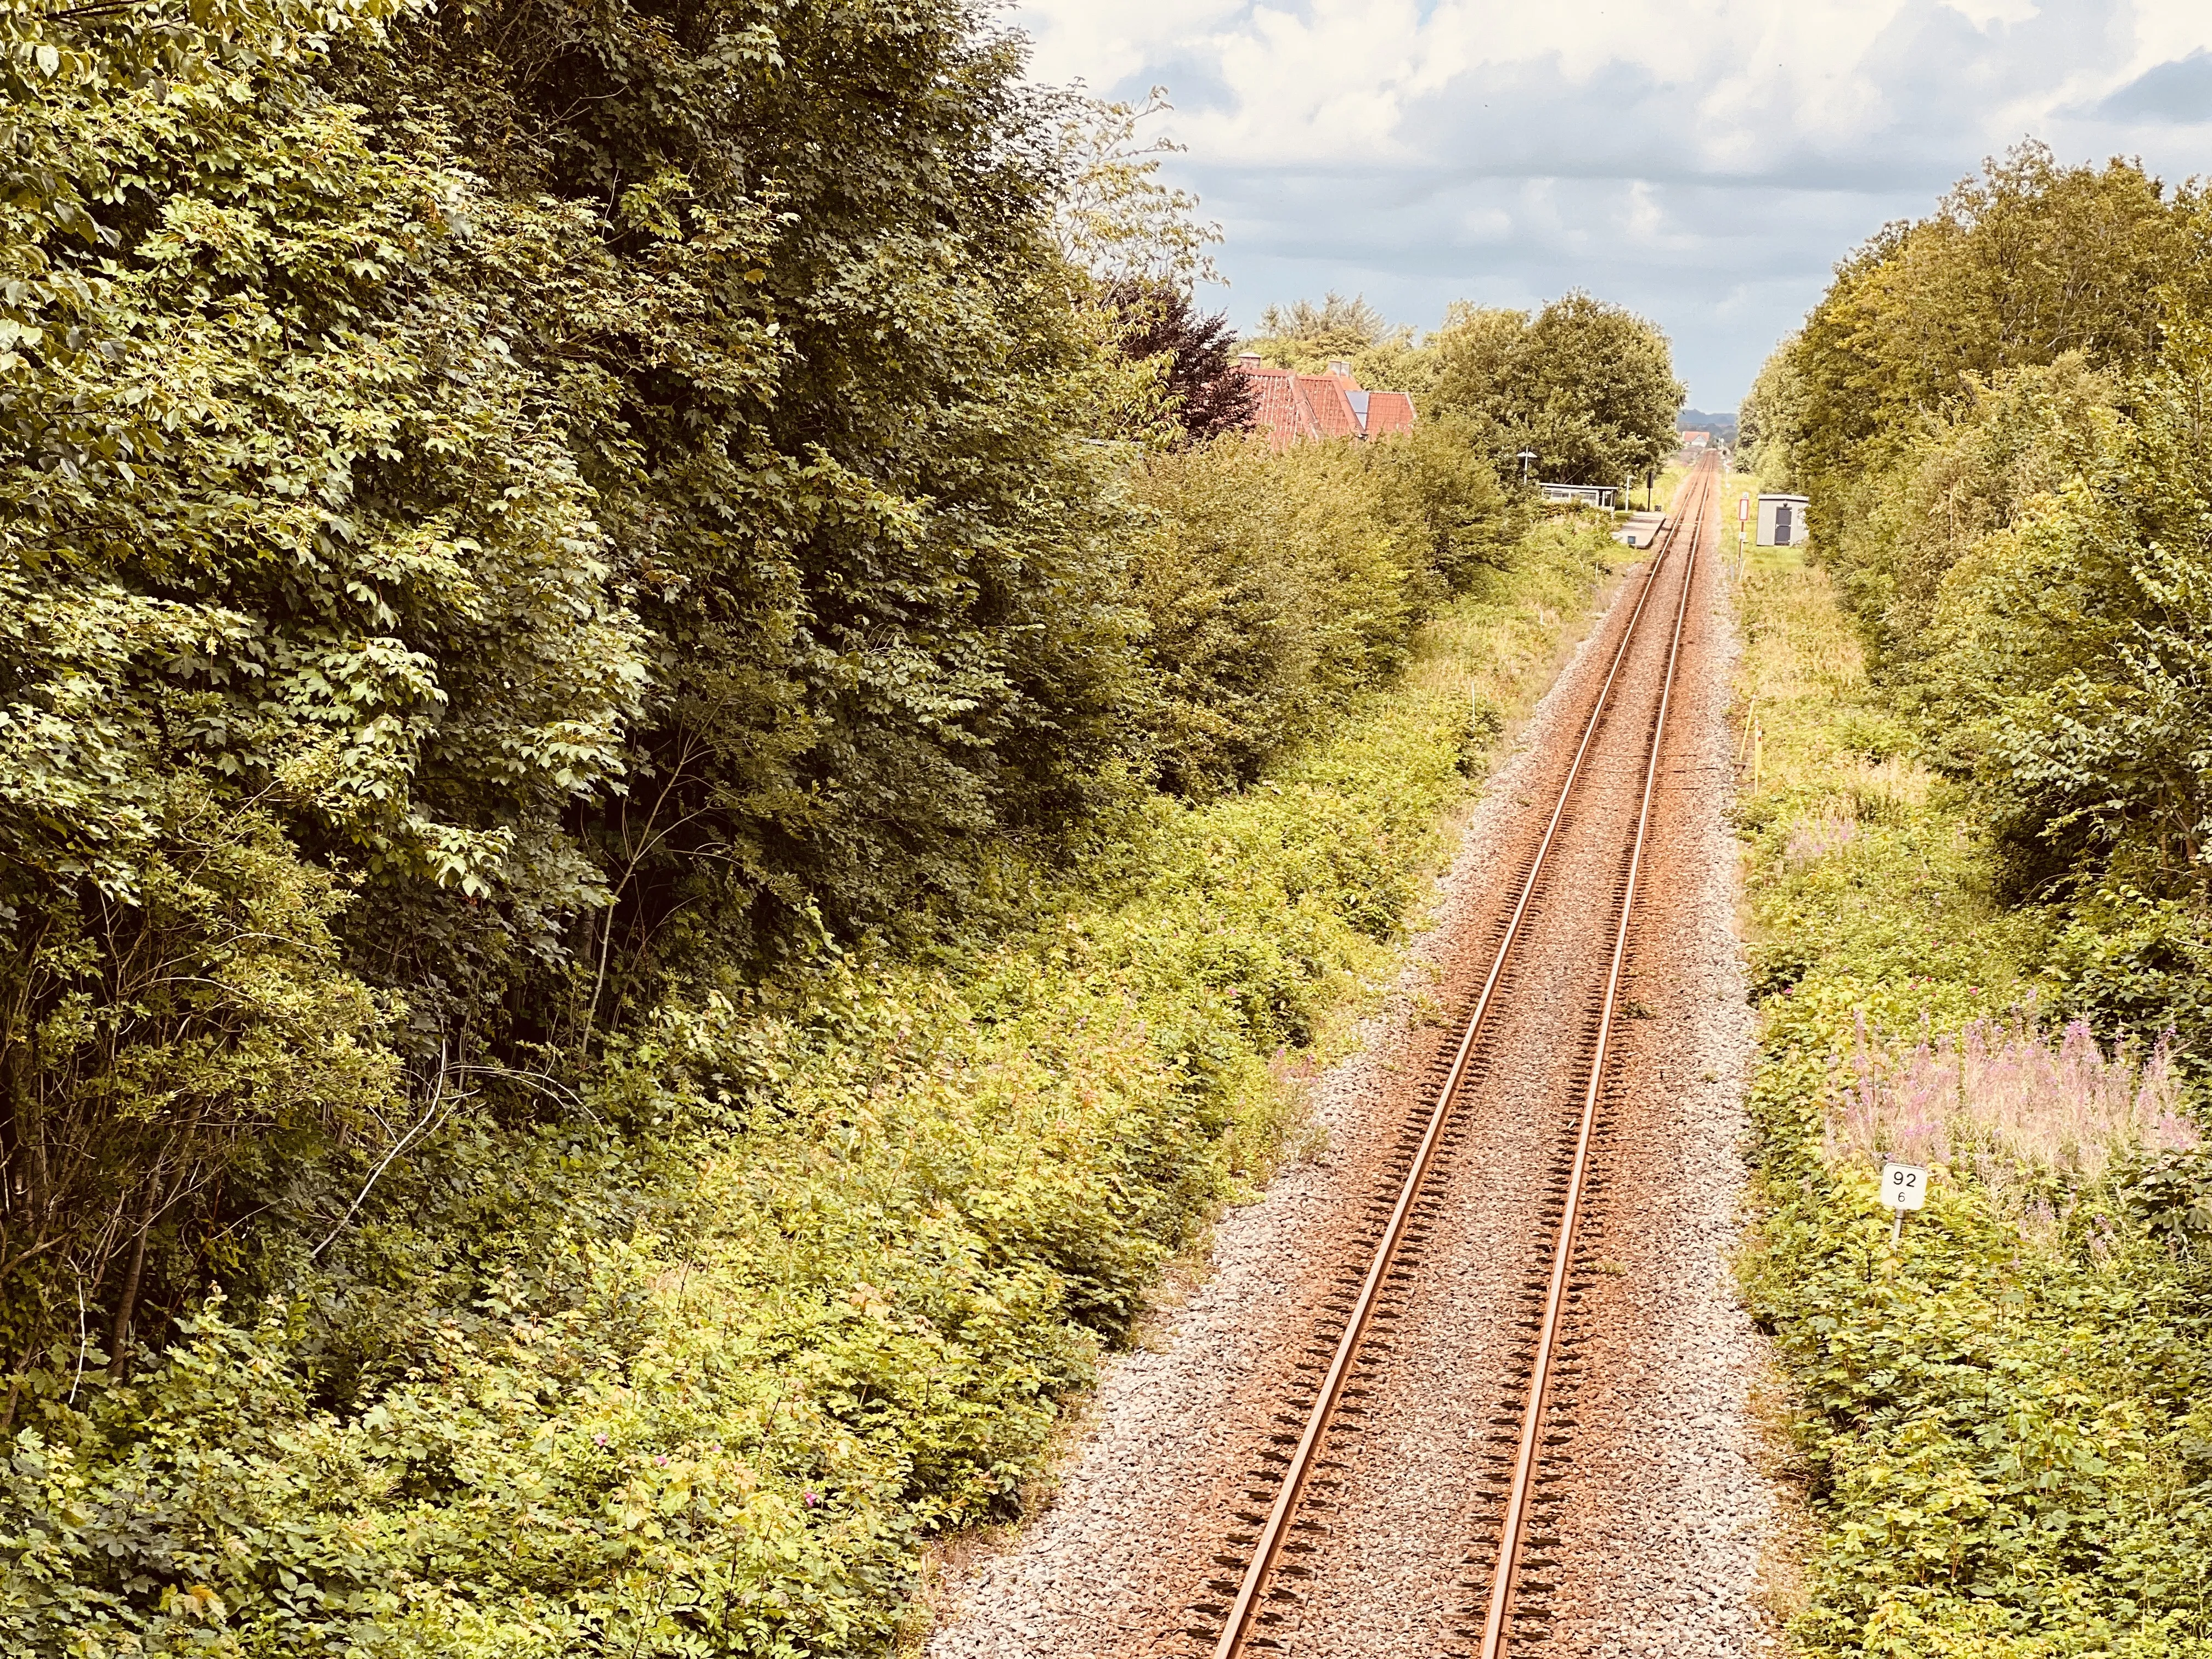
{"points": [[1299, 1483]]}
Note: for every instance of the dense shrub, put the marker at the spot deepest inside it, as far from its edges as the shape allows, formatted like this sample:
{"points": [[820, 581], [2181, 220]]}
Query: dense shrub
{"points": [[302, 591], [1272, 588], [494, 520], [1434, 482], [1995, 410], [806, 1279], [2070, 648]]}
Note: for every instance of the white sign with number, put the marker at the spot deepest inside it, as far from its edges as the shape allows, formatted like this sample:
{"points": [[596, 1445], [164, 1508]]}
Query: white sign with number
{"points": [[1903, 1186]]}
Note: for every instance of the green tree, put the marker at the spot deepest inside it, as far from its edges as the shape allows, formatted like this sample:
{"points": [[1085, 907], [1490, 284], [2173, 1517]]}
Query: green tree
{"points": [[1113, 216], [2069, 646], [835, 406], [305, 592], [449, 603], [2018, 267], [1588, 386], [1996, 411], [1308, 337], [1770, 424]]}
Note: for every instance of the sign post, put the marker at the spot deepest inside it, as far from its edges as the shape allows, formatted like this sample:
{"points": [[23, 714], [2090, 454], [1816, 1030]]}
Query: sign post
{"points": [[1903, 1187], [1742, 512]]}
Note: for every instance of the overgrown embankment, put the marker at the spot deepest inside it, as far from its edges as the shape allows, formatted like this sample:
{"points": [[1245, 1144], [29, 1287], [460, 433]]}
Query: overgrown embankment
{"points": [[2003, 1433], [829, 1262]]}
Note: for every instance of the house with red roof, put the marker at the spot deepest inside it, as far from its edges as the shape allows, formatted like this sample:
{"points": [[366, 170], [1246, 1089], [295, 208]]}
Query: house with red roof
{"points": [[1292, 406]]}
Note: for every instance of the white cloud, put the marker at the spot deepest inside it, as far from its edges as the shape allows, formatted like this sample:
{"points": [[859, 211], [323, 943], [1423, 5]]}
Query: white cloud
{"points": [[1984, 13], [1703, 161]]}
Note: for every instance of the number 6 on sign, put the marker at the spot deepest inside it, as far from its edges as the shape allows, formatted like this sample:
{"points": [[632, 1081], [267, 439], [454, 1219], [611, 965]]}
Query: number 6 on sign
{"points": [[1903, 1187]]}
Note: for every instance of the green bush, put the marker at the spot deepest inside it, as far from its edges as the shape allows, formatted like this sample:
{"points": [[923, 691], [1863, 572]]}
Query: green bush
{"points": [[1272, 588], [1274, 585], [805, 1277]]}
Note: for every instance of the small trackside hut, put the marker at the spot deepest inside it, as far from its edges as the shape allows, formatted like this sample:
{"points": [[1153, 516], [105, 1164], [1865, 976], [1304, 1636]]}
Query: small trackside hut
{"points": [[1782, 522]]}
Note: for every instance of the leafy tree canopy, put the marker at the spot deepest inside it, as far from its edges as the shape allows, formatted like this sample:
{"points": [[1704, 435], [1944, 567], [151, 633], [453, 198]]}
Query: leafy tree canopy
{"points": [[1588, 386], [1308, 337], [1772, 417], [2017, 266], [1205, 396]]}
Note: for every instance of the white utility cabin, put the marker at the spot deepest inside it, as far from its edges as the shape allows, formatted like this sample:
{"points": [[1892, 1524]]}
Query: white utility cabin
{"points": [[1782, 520]]}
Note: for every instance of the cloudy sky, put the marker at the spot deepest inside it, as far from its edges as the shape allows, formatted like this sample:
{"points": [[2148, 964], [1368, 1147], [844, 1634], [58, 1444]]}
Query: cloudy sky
{"points": [[1704, 161]]}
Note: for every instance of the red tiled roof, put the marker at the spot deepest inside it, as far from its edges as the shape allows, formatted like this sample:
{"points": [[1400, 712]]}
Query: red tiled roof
{"points": [[1328, 410], [1388, 412], [1294, 406], [1275, 411]]}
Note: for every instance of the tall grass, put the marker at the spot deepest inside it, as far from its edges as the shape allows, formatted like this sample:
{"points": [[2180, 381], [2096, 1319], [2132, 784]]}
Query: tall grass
{"points": [[1864, 867]]}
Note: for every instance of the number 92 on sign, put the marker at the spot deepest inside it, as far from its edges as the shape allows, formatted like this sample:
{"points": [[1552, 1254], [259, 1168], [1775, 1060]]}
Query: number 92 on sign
{"points": [[1903, 1186]]}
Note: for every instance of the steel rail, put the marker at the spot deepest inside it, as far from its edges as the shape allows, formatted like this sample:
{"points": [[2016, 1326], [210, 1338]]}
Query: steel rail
{"points": [[1268, 1545], [1499, 1613]]}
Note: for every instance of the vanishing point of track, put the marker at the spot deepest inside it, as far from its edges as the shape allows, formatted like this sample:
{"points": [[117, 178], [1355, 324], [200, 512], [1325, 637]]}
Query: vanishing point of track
{"points": [[1284, 1533]]}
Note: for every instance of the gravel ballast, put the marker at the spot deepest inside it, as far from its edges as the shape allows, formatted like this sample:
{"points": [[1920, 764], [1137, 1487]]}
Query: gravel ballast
{"points": [[1665, 1518]]}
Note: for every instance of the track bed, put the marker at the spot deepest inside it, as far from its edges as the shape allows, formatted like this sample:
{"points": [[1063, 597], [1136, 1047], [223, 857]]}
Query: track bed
{"points": [[1425, 1362]]}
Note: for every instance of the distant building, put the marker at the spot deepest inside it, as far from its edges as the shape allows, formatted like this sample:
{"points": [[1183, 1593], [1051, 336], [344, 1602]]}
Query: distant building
{"points": [[1695, 441], [1782, 522], [1720, 423], [1600, 495], [1292, 406]]}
